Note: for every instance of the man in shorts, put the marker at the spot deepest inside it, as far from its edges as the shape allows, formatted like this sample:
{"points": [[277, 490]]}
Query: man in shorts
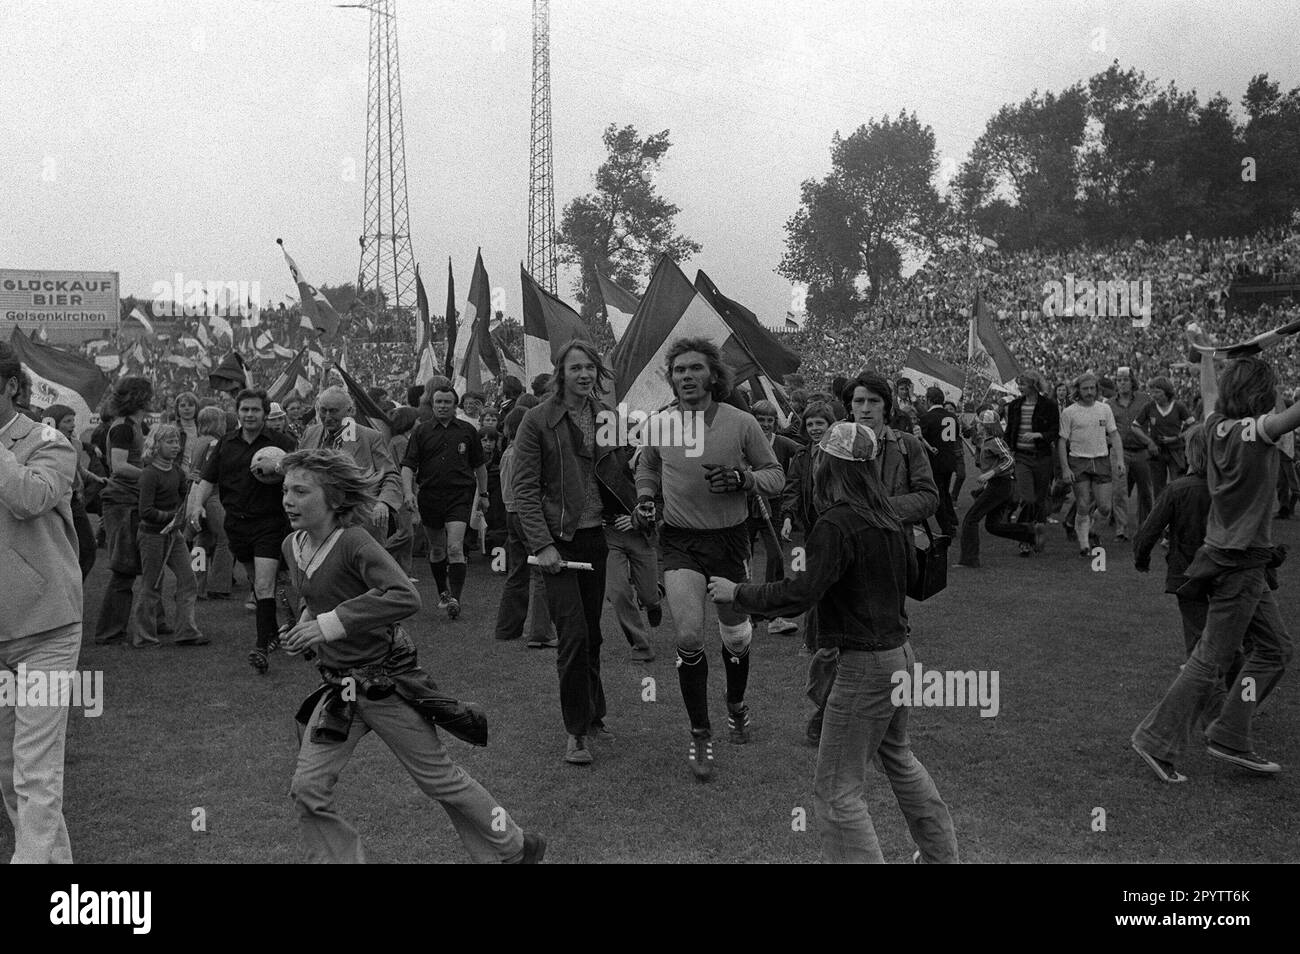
{"points": [[1092, 455], [255, 521], [705, 483], [445, 459]]}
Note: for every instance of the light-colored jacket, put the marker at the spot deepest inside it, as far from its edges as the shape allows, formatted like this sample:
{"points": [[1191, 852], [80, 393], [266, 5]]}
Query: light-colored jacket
{"points": [[40, 579], [370, 450]]}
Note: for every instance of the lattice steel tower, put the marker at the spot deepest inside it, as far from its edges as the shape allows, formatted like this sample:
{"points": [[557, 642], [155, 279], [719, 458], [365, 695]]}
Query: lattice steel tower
{"points": [[541, 166], [387, 262]]}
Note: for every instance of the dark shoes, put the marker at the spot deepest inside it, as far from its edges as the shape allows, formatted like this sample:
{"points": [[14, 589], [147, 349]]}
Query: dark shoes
{"points": [[1165, 771], [534, 849], [257, 659], [1252, 761], [700, 756], [738, 723], [577, 752]]}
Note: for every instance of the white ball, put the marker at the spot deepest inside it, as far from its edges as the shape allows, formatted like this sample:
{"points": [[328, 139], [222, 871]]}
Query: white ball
{"points": [[266, 465]]}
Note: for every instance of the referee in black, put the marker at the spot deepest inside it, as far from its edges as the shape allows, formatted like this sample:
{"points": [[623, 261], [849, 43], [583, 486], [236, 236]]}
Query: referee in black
{"points": [[444, 457], [255, 520]]}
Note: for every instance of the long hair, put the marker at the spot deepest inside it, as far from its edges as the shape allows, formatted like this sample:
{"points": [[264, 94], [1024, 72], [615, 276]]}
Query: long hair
{"points": [[131, 394], [156, 436], [176, 406], [211, 421], [858, 484], [1197, 450], [723, 379], [604, 376], [1247, 388], [349, 491]]}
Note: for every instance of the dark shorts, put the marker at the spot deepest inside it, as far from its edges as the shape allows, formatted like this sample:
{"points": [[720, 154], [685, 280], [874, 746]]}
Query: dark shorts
{"points": [[1095, 469], [722, 552], [437, 509], [256, 537]]}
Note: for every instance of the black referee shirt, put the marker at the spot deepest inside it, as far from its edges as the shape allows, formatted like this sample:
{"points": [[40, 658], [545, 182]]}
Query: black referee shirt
{"points": [[242, 494], [445, 454]]}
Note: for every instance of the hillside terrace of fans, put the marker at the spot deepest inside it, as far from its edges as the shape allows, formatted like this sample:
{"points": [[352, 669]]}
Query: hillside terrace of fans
{"points": [[1189, 279]]}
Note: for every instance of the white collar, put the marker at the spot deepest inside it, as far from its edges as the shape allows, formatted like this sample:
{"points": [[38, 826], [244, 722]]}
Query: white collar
{"points": [[10, 422], [301, 541]]}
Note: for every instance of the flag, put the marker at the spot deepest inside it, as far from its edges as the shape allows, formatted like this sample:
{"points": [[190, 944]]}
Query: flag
{"points": [[426, 359], [449, 370], [473, 339], [42, 336], [317, 312], [759, 345], [60, 377], [366, 411], [252, 317], [510, 362], [925, 371], [292, 380], [205, 338], [790, 323], [549, 324], [620, 305], [264, 341], [220, 326], [672, 308], [985, 347], [231, 374], [141, 317]]}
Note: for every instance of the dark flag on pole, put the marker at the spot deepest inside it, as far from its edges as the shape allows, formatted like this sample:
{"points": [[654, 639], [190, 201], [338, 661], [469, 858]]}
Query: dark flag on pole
{"points": [[367, 412], [231, 375], [449, 368]]}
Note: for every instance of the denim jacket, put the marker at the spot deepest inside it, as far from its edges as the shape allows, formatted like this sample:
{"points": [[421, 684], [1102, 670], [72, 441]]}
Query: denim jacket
{"points": [[857, 577]]}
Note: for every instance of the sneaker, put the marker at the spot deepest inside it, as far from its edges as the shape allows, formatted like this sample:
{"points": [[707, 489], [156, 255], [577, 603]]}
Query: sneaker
{"points": [[813, 732], [443, 599], [782, 626], [1165, 771], [193, 641], [250, 604], [542, 643], [966, 566], [577, 752], [1040, 537], [1026, 550], [1247, 760], [738, 723], [598, 732], [453, 607], [700, 756], [257, 659], [534, 849], [1085, 553], [140, 642], [655, 614], [643, 654]]}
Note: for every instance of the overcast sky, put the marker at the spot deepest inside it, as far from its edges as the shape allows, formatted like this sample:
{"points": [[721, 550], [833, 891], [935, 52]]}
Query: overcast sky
{"points": [[156, 136]]}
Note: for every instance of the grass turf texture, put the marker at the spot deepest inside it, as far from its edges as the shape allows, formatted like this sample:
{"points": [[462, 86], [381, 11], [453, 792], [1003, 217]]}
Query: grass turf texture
{"points": [[1082, 656]]}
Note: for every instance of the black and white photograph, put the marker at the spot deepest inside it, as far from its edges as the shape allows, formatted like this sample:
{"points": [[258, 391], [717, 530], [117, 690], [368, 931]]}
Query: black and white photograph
{"points": [[591, 432]]}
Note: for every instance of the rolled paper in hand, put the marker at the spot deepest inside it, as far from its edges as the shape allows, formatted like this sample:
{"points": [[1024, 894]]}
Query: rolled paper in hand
{"points": [[564, 564]]}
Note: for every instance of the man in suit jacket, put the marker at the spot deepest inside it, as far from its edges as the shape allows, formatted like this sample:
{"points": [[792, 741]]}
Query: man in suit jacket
{"points": [[40, 628], [337, 431]]}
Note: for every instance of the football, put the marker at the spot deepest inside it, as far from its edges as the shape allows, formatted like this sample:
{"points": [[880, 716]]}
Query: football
{"points": [[266, 465]]}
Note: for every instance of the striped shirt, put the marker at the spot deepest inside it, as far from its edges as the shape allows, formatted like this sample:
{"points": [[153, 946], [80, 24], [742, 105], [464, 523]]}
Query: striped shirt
{"points": [[1023, 442], [994, 455]]}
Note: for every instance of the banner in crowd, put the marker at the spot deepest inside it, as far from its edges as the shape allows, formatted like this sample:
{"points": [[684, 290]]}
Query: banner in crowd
{"points": [[365, 411], [673, 308], [426, 359], [474, 351], [620, 305], [292, 380], [450, 319], [549, 324], [72, 306], [60, 377], [985, 346], [926, 371], [316, 308]]}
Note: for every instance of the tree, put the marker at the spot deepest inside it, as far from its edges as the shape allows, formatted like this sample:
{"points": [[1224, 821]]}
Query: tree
{"points": [[625, 225], [1021, 181], [878, 201]]}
